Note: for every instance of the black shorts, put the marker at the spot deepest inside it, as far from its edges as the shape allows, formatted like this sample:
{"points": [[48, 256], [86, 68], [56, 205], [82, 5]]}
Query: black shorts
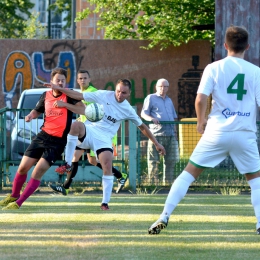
{"points": [[81, 140], [86, 150], [99, 151], [46, 146]]}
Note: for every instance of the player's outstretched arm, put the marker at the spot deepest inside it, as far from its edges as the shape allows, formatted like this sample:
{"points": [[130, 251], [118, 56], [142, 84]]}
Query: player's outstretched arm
{"points": [[67, 91], [78, 108], [33, 114], [146, 131]]}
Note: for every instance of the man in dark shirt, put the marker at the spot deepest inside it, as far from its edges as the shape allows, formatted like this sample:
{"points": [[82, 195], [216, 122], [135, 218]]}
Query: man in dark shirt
{"points": [[49, 143]]}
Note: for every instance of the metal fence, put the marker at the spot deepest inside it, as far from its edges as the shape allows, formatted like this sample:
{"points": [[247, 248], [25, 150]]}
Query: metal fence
{"points": [[224, 174], [16, 135], [130, 156]]}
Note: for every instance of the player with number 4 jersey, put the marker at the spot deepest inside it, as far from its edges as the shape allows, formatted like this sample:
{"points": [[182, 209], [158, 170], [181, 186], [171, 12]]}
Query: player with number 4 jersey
{"points": [[231, 125], [235, 87]]}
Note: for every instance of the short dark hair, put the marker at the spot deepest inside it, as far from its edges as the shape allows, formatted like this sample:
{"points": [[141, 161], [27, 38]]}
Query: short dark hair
{"points": [[58, 71], [126, 82], [236, 38], [83, 71]]}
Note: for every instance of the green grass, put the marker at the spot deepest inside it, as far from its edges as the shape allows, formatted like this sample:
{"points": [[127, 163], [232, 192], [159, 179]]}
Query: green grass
{"points": [[73, 227]]}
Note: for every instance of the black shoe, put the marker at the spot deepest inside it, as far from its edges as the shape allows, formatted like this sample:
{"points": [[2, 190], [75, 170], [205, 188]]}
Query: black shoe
{"points": [[59, 189], [104, 206], [258, 231], [121, 182]]}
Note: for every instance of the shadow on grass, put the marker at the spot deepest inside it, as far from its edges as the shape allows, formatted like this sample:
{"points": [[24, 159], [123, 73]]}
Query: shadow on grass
{"points": [[74, 227]]}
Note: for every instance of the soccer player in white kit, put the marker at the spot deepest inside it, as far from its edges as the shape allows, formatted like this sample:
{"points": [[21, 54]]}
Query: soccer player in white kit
{"points": [[231, 126], [97, 135]]}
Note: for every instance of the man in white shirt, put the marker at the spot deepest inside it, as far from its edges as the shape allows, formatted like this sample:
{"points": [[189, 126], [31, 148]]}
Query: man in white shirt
{"points": [[231, 126], [84, 81], [97, 135]]}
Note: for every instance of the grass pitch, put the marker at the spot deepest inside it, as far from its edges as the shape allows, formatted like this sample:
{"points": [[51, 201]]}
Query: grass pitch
{"points": [[73, 227]]}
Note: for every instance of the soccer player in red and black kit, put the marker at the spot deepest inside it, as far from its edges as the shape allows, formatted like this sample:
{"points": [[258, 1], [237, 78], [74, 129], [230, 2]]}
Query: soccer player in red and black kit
{"points": [[49, 143]]}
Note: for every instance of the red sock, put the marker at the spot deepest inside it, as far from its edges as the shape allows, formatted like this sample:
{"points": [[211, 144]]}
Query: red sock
{"points": [[18, 182], [30, 188]]}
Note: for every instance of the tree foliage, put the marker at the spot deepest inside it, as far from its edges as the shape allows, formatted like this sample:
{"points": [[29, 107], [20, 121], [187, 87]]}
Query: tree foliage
{"points": [[33, 28], [13, 14], [60, 6], [162, 22]]}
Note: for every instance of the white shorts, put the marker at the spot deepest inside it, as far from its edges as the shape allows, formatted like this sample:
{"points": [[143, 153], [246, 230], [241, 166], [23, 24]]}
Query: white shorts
{"points": [[214, 147], [95, 141]]}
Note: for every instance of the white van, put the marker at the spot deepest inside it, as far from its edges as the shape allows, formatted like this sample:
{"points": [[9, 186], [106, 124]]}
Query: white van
{"points": [[23, 132]]}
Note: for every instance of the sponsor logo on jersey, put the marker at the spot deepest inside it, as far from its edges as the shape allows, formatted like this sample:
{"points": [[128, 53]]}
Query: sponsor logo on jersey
{"points": [[54, 113], [111, 119], [227, 113]]}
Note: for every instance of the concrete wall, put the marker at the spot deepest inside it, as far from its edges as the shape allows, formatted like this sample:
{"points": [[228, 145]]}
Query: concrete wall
{"points": [[27, 64]]}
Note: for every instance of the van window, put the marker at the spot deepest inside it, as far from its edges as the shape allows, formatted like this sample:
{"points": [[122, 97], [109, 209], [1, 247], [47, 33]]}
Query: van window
{"points": [[29, 102]]}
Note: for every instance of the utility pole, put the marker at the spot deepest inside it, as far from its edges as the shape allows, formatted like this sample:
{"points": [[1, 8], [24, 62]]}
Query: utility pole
{"points": [[49, 21], [73, 16]]}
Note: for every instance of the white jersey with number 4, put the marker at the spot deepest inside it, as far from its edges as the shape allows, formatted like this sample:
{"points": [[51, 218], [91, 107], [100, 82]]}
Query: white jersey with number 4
{"points": [[235, 87], [115, 113]]}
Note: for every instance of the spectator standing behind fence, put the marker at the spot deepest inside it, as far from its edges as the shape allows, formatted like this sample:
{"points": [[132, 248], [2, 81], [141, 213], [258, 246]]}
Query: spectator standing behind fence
{"points": [[159, 107], [231, 126]]}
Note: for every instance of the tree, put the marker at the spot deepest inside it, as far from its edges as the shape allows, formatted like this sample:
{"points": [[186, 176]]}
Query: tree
{"points": [[33, 28], [13, 13], [162, 22], [60, 6]]}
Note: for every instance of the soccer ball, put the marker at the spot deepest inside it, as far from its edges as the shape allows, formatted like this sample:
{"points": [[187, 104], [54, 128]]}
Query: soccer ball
{"points": [[94, 112]]}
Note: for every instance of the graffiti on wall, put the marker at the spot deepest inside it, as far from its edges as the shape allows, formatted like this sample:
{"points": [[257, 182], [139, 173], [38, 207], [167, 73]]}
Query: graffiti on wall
{"points": [[25, 71], [21, 71], [66, 60]]}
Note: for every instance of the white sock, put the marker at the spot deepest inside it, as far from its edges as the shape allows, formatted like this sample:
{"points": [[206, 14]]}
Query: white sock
{"points": [[255, 198], [107, 182], [72, 141], [178, 190]]}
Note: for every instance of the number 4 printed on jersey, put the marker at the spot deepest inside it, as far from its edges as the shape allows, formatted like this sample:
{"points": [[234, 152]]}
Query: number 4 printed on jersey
{"points": [[240, 91]]}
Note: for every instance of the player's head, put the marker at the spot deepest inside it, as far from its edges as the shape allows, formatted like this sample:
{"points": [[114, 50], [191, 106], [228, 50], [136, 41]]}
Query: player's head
{"points": [[162, 87], [123, 90], [59, 76], [236, 38], [83, 79], [58, 71]]}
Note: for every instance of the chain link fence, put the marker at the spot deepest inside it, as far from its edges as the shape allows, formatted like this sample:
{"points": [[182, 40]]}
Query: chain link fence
{"points": [[165, 171], [135, 155]]}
